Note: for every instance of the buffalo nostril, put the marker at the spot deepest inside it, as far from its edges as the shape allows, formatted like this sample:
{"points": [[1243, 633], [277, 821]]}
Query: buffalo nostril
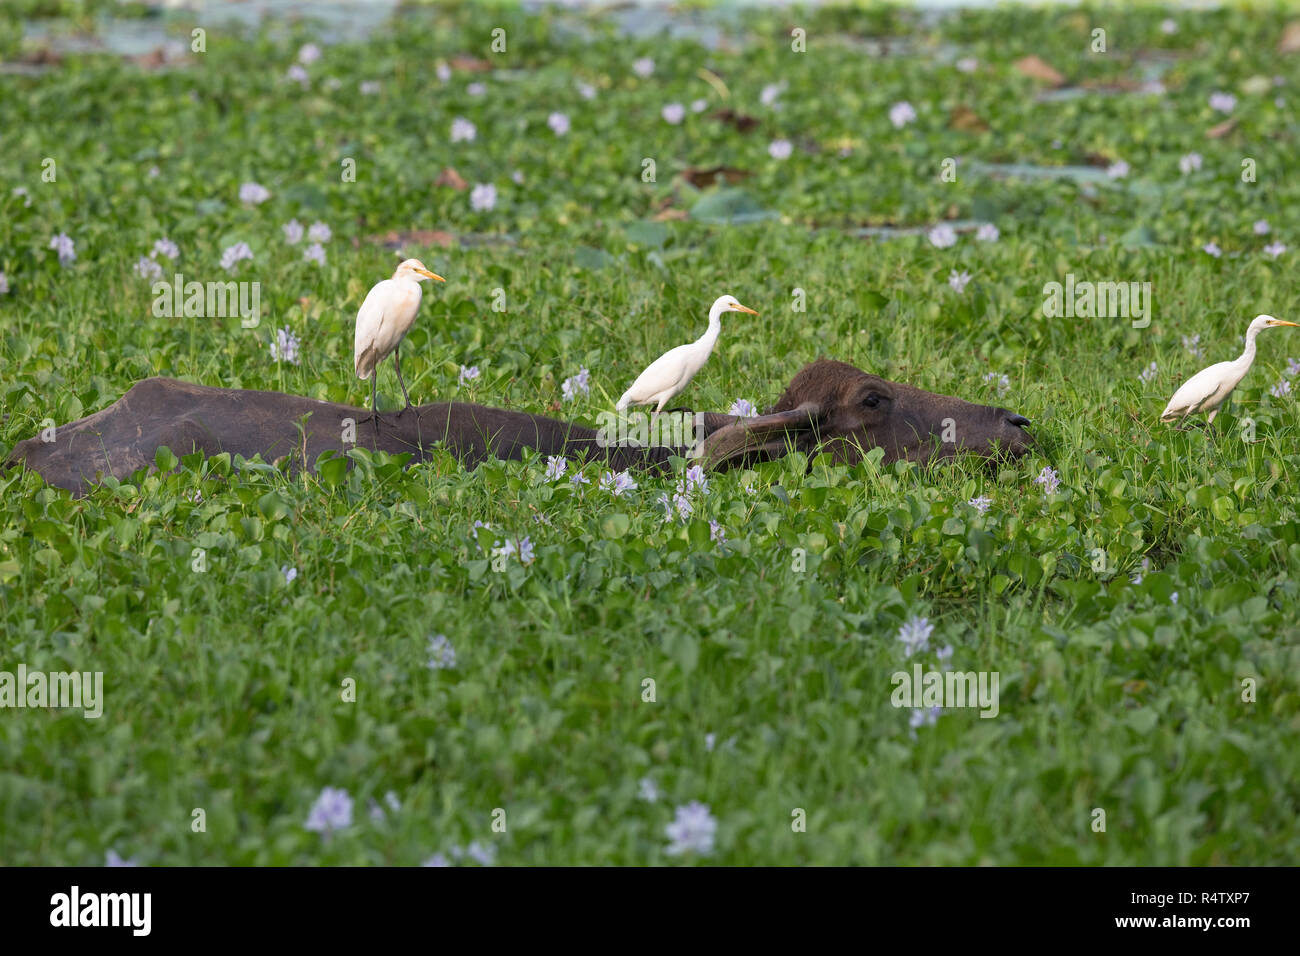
{"points": [[1020, 421]]}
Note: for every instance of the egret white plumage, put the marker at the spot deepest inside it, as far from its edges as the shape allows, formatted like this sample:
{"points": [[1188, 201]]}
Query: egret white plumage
{"points": [[386, 315], [1210, 387], [671, 372]]}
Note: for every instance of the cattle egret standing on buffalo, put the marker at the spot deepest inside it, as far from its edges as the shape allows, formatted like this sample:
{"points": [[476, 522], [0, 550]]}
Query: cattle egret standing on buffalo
{"points": [[1208, 388], [386, 316], [671, 372]]}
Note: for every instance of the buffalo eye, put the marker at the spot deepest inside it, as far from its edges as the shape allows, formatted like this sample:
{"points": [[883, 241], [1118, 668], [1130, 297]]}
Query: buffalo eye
{"points": [[872, 400]]}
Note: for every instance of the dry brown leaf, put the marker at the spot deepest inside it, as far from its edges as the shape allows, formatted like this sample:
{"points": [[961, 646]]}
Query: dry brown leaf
{"points": [[1223, 129], [1290, 42], [703, 176], [1034, 67], [740, 121], [669, 215], [416, 237], [470, 64], [966, 120], [449, 177]]}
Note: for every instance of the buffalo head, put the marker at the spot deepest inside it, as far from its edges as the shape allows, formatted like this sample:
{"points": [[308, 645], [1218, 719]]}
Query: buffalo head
{"points": [[840, 409]]}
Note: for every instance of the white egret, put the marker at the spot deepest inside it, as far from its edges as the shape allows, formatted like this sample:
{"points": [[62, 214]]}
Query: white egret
{"points": [[1208, 388], [671, 372], [386, 316]]}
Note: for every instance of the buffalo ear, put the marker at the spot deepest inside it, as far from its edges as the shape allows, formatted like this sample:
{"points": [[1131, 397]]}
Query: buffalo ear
{"points": [[766, 433]]}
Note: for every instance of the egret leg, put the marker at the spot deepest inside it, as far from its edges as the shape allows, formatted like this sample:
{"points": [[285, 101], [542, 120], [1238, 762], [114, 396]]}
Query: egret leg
{"points": [[374, 408], [397, 364]]}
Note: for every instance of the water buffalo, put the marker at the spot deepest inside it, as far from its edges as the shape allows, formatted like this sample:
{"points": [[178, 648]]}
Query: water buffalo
{"points": [[828, 403]]}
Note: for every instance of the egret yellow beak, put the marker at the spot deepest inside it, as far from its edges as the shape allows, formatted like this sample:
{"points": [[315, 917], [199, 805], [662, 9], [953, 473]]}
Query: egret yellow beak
{"points": [[430, 275], [1280, 322], [740, 308]]}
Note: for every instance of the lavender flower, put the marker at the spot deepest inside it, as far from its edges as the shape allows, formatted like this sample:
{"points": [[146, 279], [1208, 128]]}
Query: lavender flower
{"points": [[236, 253], [1281, 389], [165, 247], [320, 232], [559, 123], [292, 232], [285, 347], [643, 67], [981, 504], [673, 113], [692, 831], [298, 75], [576, 384], [1275, 249], [958, 280], [462, 130], [467, 374], [483, 197], [901, 113], [377, 811], [253, 194], [770, 93], [315, 253], [484, 854], [586, 91], [1168, 26], [438, 859], [308, 53], [476, 89], [331, 811], [1212, 248], [648, 790], [1292, 366], [112, 859], [915, 634], [4, 284], [1149, 373], [1140, 574], [987, 232], [1223, 102], [289, 573], [1193, 345], [556, 465], [967, 64], [442, 656], [780, 149], [369, 87], [942, 236], [443, 72], [1118, 169], [924, 717], [616, 484], [579, 478], [717, 533], [146, 268], [1000, 382], [1190, 163], [742, 407], [65, 247], [696, 480], [1049, 479], [22, 191], [1261, 227]]}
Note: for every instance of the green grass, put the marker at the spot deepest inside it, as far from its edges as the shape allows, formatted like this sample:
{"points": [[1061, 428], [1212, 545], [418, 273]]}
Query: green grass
{"points": [[224, 689]]}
